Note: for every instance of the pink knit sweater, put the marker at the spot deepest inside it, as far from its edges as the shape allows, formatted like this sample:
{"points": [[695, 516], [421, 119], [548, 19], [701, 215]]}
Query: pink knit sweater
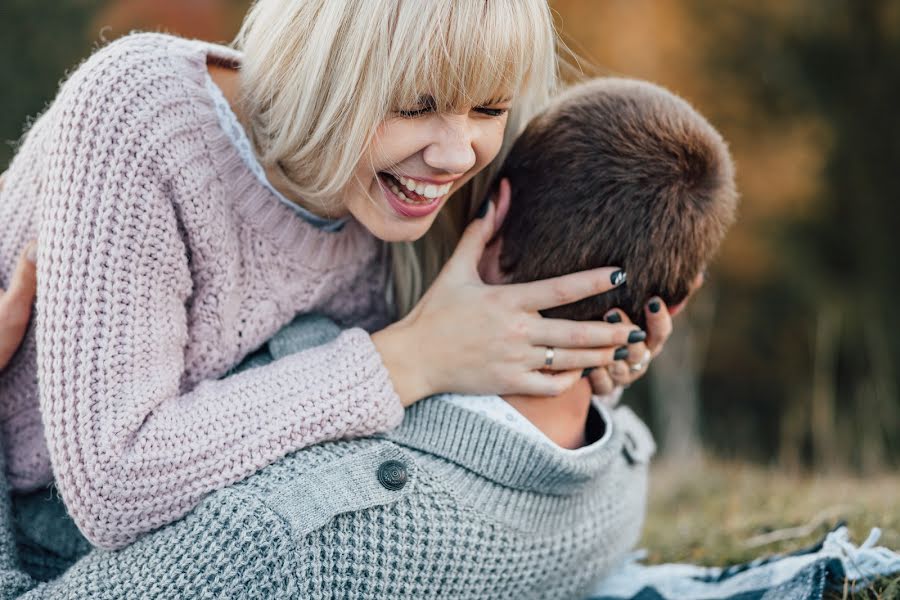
{"points": [[162, 262]]}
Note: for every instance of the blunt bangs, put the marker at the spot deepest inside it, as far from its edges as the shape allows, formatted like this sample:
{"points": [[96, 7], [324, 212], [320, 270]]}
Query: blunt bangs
{"points": [[467, 52]]}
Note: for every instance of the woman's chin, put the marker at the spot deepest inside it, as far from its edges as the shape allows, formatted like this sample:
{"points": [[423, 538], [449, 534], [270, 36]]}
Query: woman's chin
{"points": [[394, 228], [386, 224], [403, 232]]}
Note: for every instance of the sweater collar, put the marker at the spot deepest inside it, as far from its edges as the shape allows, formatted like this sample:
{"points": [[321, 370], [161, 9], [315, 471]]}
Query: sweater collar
{"points": [[499, 453]]}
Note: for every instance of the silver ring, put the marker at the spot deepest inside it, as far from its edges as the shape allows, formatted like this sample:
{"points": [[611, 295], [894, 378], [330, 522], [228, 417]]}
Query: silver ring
{"points": [[639, 366], [548, 356]]}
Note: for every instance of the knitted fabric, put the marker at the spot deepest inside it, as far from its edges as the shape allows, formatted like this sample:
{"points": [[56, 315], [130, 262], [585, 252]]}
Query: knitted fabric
{"points": [[235, 131], [162, 262], [485, 512], [46, 537]]}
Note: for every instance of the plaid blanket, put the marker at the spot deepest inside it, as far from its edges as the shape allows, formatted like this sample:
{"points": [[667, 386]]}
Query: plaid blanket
{"points": [[801, 575]]}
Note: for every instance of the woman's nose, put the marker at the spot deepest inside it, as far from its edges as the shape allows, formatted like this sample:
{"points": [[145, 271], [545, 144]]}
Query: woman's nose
{"points": [[453, 147]]}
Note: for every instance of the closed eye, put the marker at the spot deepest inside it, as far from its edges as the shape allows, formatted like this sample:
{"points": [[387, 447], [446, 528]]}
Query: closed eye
{"points": [[426, 105], [491, 112]]}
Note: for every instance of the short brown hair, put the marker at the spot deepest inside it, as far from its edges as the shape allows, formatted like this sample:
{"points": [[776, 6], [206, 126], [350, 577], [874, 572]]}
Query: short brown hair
{"points": [[617, 172]]}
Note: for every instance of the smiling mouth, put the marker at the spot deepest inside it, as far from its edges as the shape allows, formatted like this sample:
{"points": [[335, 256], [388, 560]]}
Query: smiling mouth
{"points": [[412, 192]]}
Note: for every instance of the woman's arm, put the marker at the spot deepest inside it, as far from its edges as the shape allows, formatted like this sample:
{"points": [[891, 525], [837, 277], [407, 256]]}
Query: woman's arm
{"points": [[132, 447], [131, 450]]}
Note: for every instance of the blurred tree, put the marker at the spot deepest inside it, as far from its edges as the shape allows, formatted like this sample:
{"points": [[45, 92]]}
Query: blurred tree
{"points": [[212, 20], [42, 40], [840, 62], [803, 353], [39, 41]]}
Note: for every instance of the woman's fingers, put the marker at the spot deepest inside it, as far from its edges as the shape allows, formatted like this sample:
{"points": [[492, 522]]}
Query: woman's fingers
{"points": [[565, 359], [562, 333], [601, 382], [537, 383], [23, 286], [557, 291], [633, 363], [15, 305], [659, 325]]}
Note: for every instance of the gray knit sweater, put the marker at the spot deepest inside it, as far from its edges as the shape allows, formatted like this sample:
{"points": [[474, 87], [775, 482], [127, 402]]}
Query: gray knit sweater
{"points": [[449, 505]]}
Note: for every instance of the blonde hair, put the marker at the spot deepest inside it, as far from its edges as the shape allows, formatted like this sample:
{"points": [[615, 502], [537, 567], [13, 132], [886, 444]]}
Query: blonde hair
{"points": [[319, 76]]}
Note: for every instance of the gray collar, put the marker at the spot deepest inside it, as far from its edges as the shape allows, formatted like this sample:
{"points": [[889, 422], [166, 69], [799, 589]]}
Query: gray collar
{"points": [[499, 453]]}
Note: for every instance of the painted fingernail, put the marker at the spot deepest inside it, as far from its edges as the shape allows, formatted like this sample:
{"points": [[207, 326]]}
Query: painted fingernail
{"points": [[621, 353], [618, 277], [587, 371], [637, 336], [483, 211], [613, 317], [654, 306]]}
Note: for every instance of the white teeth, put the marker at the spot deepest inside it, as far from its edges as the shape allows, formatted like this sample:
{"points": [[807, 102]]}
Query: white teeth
{"points": [[428, 190], [401, 195]]}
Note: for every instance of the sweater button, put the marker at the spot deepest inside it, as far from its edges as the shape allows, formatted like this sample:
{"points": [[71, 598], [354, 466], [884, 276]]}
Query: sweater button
{"points": [[629, 449], [392, 475]]}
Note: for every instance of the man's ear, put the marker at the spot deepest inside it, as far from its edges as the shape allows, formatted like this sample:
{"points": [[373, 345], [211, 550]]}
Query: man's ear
{"points": [[489, 265], [695, 285], [501, 202]]}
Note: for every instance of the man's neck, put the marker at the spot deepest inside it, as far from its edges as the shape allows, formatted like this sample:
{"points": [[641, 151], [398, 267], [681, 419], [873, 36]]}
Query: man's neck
{"points": [[561, 418]]}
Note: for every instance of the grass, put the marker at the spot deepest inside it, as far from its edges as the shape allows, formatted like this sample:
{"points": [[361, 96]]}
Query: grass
{"points": [[717, 513]]}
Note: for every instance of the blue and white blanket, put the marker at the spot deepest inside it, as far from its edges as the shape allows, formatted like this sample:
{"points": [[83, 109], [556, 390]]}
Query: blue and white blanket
{"points": [[801, 575]]}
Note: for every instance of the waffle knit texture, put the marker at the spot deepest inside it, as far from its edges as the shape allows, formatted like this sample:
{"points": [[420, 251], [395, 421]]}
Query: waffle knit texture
{"points": [[162, 262], [485, 513]]}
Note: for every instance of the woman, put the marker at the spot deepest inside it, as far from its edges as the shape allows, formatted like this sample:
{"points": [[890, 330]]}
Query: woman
{"points": [[189, 200]]}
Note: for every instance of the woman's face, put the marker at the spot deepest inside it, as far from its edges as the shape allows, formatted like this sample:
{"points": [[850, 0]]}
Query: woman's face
{"points": [[417, 159]]}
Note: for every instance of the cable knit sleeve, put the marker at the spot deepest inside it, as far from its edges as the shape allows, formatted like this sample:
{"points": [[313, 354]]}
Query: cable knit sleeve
{"points": [[131, 449]]}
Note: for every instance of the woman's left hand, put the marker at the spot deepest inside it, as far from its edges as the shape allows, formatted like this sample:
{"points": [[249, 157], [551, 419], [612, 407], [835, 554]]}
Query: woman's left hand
{"points": [[623, 373], [15, 305]]}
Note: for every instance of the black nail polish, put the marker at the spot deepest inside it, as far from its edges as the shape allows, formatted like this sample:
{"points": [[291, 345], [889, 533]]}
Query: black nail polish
{"points": [[621, 353], [654, 306], [587, 371], [618, 277], [613, 318], [483, 211], [637, 336]]}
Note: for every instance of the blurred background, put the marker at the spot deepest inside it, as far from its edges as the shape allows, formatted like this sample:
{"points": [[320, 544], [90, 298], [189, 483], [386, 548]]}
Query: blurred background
{"points": [[785, 369]]}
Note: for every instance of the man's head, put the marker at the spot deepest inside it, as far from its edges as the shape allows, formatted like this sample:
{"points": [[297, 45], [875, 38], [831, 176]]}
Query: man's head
{"points": [[616, 172]]}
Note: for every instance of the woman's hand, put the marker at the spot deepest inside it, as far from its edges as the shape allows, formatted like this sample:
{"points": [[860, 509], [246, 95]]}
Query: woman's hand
{"points": [[623, 373], [15, 304], [470, 337]]}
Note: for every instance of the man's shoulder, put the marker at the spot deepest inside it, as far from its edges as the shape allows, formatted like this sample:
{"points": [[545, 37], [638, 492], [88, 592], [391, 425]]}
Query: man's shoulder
{"points": [[310, 487]]}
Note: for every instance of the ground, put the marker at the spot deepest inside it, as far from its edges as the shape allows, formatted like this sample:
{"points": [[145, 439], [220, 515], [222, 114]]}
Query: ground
{"points": [[718, 513]]}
